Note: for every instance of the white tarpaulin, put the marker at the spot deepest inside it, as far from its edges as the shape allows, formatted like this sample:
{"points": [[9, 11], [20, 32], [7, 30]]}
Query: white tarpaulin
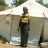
{"points": [[36, 21], [34, 9]]}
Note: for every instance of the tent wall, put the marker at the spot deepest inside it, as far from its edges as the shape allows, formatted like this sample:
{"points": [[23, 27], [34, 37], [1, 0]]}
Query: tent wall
{"points": [[4, 28], [36, 24], [46, 29]]}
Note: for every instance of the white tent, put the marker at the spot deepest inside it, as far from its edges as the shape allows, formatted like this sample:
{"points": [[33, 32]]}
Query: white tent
{"points": [[36, 21], [34, 8]]}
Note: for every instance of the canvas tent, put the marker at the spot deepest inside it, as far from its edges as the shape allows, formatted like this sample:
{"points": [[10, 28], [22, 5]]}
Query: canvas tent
{"points": [[32, 7], [36, 21]]}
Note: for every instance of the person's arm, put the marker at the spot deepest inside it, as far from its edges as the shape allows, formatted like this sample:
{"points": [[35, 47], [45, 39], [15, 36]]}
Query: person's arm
{"points": [[19, 24], [28, 23]]}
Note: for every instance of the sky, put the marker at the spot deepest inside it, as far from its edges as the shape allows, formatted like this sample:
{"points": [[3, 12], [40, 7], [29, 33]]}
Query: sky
{"points": [[45, 1], [10, 1]]}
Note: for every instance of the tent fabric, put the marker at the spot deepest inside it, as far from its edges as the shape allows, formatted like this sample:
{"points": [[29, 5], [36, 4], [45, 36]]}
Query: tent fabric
{"points": [[36, 21], [34, 9]]}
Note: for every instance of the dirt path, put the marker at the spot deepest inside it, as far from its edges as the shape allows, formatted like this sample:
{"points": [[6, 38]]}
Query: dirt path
{"points": [[11, 46], [5, 44]]}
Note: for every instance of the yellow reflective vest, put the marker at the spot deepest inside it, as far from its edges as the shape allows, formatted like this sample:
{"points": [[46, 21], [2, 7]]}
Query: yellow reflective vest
{"points": [[24, 18]]}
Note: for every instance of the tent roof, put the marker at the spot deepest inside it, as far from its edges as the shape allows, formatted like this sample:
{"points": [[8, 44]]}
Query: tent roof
{"points": [[34, 9]]}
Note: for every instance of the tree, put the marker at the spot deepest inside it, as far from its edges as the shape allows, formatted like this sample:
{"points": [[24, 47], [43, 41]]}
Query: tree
{"points": [[2, 3], [40, 1], [46, 5], [18, 2], [22, 1]]}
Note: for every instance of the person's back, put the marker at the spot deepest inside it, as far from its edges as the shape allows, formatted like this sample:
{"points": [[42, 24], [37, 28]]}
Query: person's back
{"points": [[24, 20], [24, 27]]}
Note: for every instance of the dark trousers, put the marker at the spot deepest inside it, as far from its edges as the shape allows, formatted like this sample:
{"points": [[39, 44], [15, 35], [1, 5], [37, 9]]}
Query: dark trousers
{"points": [[24, 36]]}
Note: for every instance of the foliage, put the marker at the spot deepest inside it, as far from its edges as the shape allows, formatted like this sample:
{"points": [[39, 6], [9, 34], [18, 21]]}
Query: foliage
{"points": [[19, 2], [2, 3], [22, 1], [46, 5], [41, 2]]}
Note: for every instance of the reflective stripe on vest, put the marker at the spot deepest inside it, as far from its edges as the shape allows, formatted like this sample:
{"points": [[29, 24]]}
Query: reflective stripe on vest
{"points": [[24, 18]]}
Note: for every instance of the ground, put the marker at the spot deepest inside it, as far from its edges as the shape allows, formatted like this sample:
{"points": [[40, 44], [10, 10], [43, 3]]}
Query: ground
{"points": [[5, 44], [11, 46]]}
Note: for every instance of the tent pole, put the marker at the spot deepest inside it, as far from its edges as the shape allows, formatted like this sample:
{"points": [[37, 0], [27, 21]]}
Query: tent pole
{"points": [[11, 26], [11, 23], [42, 33]]}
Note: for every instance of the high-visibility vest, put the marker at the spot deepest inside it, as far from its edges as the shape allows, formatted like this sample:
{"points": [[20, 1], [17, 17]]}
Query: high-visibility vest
{"points": [[24, 18]]}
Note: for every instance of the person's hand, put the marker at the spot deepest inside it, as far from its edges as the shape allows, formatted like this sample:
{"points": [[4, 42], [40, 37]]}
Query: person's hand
{"points": [[18, 29]]}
